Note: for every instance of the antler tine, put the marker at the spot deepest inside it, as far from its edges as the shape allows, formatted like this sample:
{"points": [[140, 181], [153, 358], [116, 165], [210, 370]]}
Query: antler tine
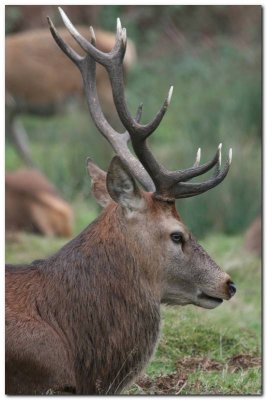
{"points": [[98, 55], [219, 162], [120, 42], [87, 67], [93, 37], [196, 164], [196, 170], [75, 57], [139, 113], [184, 189]]}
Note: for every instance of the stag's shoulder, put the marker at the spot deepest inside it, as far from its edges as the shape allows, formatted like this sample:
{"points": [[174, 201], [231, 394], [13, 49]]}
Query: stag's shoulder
{"points": [[19, 271]]}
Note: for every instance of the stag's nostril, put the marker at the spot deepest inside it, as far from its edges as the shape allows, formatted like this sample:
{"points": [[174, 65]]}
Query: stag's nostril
{"points": [[232, 288]]}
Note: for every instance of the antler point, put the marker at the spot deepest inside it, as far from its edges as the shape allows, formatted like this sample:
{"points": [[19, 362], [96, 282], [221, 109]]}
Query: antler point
{"points": [[198, 156], [169, 95], [93, 37], [68, 23], [49, 21], [230, 155], [118, 24], [220, 153], [124, 36], [61, 10]]}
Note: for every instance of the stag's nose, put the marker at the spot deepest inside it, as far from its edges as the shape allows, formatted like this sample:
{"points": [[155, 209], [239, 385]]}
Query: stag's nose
{"points": [[231, 288]]}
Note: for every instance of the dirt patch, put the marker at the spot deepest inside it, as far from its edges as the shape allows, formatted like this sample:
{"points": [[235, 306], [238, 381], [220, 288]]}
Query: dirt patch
{"points": [[195, 363], [163, 384], [234, 363], [244, 361], [175, 382]]}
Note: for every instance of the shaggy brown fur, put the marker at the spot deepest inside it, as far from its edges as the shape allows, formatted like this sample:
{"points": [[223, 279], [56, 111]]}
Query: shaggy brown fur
{"points": [[86, 318]]}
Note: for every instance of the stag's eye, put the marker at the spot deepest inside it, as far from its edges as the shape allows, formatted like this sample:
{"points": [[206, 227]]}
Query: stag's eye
{"points": [[177, 237]]}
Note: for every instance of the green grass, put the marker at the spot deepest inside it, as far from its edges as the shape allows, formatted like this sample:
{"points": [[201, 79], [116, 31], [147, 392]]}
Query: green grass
{"points": [[232, 329], [226, 383]]}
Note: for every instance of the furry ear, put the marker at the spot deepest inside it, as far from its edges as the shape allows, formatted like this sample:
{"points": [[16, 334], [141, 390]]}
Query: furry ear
{"points": [[122, 187], [99, 187]]}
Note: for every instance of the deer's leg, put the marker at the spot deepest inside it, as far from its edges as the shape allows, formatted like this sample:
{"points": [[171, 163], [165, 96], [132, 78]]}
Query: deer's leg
{"points": [[21, 142], [16, 131]]}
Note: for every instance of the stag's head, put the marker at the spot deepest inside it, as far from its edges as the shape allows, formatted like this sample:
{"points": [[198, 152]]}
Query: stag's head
{"points": [[186, 273]]}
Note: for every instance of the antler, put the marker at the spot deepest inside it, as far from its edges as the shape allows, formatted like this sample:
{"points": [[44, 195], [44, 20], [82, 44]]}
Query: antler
{"points": [[118, 141], [152, 175]]}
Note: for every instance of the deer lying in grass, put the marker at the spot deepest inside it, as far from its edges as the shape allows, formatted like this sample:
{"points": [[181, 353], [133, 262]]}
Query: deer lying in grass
{"points": [[44, 81], [87, 319], [33, 204]]}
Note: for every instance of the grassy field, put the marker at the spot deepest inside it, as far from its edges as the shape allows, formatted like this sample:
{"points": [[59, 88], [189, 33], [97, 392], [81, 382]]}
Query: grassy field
{"points": [[200, 351]]}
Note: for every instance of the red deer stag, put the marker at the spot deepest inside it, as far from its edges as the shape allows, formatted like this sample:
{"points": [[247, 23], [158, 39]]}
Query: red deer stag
{"points": [[44, 79], [33, 204], [87, 319]]}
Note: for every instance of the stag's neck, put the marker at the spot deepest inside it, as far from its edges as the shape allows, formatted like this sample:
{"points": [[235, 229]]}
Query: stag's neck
{"points": [[106, 250]]}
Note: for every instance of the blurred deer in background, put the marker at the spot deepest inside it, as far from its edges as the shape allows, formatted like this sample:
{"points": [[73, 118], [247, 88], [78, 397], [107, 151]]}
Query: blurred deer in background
{"points": [[253, 237], [87, 319], [44, 80], [32, 204]]}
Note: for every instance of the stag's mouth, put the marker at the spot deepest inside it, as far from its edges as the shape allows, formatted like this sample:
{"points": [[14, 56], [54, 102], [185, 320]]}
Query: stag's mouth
{"points": [[207, 301]]}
